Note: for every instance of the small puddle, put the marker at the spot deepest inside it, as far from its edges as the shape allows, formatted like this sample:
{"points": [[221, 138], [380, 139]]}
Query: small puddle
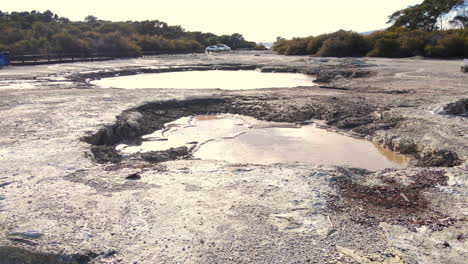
{"points": [[226, 80], [242, 139]]}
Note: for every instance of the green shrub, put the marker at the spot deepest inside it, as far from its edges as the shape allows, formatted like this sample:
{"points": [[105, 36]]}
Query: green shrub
{"points": [[450, 45], [395, 42], [3, 48], [118, 45], [36, 32], [344, 44], [280, 46], [297, 46], [385, 48], [338, 44], [316, 43]]}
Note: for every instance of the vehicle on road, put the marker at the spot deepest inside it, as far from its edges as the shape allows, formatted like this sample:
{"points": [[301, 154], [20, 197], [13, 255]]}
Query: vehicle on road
{"points": [[211, 49], [222, 47], [464, 65], [218, 48]]}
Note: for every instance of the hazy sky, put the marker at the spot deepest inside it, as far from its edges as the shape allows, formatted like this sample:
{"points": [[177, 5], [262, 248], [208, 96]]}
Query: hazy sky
{"points": [[257, 20]]}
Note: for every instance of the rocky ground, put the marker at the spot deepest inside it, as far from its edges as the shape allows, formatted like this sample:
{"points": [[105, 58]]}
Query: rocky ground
{"points": [[67, 197]]}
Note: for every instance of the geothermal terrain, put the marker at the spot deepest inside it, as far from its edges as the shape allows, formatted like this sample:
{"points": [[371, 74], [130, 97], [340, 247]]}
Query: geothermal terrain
{"points": [[68, 196]]}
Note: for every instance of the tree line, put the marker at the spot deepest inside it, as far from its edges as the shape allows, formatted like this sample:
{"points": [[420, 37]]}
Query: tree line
{"points": [[434, 28], [46, 33]]}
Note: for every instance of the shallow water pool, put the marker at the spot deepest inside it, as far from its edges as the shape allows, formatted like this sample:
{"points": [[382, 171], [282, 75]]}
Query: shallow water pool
{"points": [[225, 80], [242, 139]]}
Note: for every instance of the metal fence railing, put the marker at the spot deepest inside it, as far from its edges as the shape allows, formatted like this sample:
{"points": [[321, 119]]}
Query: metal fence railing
{"points": [[37, 59], [252, 51]]}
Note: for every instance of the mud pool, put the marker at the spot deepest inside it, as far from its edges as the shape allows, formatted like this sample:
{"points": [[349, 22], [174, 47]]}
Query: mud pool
{"points": [[213, 79], [242, 139]]}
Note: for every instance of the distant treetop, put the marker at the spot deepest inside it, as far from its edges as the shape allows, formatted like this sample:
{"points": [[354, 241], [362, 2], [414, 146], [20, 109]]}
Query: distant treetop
{"points": [[40, 33], [426, 16]]}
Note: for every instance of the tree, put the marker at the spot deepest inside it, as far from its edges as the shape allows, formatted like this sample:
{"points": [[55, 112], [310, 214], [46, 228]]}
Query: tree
{"points": [[44, 32], [236, 40], [48, 16], [90, 19], [424, 16], [461, 18]]}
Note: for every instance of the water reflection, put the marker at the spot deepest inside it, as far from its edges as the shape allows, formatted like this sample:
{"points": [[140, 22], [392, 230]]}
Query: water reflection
{"points": [[226, 80], [241, 139]]}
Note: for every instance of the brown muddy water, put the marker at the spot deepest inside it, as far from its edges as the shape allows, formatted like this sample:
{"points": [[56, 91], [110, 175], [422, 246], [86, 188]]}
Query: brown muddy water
{"points": [[225, 80], [242, 139]]}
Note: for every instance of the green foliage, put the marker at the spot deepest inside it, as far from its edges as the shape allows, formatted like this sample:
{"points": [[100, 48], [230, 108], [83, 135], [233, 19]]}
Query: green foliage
{"points": [[41, 33], [425, 15], [385, 47], [281, 46], [118, 43], [236, 41], [344, 44], [395, 42], [297, 46], [400, 42], [90, 19], [338, 44], [314, 44], [449, 45]]}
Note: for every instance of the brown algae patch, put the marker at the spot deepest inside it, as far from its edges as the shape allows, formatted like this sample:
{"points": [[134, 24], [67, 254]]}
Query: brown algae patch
{"points": [[392, 201], [243, 139]]}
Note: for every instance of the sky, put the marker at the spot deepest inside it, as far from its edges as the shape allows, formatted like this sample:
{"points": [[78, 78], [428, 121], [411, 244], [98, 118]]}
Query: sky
{"points": [[257, 20]]}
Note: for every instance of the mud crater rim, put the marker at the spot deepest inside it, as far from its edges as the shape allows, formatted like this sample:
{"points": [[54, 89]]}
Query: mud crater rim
{"points": [[322, 74], [133, 123]]}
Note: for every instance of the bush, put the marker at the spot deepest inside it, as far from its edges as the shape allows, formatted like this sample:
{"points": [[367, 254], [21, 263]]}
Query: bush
{"points": [[338, 44], [297, 46], [152, 43], [3, 48], [449, 45], [344, 44], [280, 46], [412, 44], [395, 42], [21, 47], [316, 43], [118, 45], [385, 48], [36, 32]]}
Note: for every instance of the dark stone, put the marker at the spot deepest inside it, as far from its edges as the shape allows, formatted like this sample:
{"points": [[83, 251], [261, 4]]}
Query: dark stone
{"points": [[10, 255], [133, 176], [165, 155], [106, 154], [29, 234], [333, 87], [438, 158], [458, 108], [3, 184]]}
